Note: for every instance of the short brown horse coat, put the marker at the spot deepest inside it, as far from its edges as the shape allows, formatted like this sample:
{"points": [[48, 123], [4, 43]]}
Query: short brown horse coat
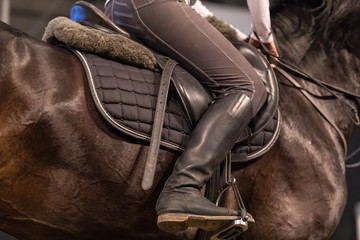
{"points": [[64, 174]]}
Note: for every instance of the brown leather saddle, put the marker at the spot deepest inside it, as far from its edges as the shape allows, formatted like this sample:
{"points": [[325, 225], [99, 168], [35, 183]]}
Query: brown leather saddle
{"points": [[126, 95]]}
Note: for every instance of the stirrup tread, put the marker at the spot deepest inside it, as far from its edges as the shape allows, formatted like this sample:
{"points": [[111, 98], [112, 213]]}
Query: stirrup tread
{"points": [[232, 231]]}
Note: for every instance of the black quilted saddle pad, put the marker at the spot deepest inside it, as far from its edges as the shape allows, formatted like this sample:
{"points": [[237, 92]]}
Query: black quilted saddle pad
{"points": [[126, 97]]}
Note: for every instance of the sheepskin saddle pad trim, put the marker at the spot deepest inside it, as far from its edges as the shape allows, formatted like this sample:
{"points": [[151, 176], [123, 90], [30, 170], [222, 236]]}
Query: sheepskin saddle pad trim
{"points": [[107, 44], [126, 97]]}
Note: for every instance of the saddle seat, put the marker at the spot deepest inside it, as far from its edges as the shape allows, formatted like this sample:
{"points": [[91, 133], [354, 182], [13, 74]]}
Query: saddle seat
{"points": [[113, 84]]}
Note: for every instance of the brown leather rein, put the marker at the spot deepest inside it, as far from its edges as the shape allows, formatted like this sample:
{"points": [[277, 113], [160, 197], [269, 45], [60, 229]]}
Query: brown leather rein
{"points": [[286, 68]]}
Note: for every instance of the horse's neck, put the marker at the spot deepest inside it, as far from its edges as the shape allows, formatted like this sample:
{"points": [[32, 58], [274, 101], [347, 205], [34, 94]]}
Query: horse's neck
{"points": [[337, 67]]}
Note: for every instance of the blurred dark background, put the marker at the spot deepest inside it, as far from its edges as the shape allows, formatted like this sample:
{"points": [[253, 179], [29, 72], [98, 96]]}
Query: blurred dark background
{"points": [[347, 227], [33, 16]]}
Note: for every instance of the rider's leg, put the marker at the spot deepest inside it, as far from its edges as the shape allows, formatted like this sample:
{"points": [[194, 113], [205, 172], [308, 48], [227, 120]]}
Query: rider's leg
{"points": [[210, 141], [175, 29]]}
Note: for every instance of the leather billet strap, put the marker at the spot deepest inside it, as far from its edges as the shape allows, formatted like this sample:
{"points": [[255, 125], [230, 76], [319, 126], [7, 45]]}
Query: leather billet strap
{"points": [[151, 161]]}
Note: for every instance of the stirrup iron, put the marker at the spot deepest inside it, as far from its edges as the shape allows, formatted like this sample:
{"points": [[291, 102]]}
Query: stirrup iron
{"points": [[235, 229], [238, 226]]}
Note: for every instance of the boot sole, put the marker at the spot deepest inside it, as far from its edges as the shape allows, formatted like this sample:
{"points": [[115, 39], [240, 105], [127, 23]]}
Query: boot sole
{"points": [[175, 222]]}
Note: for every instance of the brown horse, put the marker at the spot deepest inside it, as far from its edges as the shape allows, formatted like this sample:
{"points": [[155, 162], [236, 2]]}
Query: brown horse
{"points": [[65, 174]]}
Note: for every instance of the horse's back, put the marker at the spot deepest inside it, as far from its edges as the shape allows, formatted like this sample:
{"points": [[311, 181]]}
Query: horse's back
{"points": [[63, 171]]}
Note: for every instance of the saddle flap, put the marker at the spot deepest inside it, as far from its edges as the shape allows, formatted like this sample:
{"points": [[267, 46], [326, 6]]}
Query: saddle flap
{"points": [[194, 98], [265, 71]]}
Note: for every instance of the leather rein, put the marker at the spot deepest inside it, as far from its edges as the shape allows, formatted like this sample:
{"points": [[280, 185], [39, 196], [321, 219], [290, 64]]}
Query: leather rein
{"points": [[287, 69]]}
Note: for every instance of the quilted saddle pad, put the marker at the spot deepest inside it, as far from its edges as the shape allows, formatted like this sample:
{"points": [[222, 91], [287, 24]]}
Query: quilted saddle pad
{"points": [[126, 97]]}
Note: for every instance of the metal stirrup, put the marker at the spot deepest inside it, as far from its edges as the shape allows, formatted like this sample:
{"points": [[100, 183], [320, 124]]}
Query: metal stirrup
{"points": [[231, 182]]}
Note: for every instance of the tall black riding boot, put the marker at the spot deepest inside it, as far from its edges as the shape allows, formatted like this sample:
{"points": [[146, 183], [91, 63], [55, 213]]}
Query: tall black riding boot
{"points": [[180, 204]]}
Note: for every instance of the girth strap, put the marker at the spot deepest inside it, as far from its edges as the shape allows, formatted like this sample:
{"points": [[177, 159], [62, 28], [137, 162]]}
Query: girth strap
{"points": [[151, 161]]}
